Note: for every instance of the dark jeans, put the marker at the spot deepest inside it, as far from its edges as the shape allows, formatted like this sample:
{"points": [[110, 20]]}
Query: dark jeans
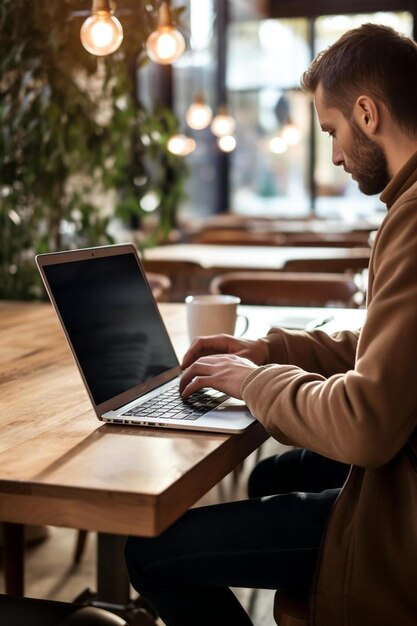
{"points": [[267, 542]]}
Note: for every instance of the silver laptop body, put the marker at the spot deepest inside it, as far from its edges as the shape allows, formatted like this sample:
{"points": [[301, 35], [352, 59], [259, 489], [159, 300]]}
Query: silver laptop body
{"points": [[119, 340]]}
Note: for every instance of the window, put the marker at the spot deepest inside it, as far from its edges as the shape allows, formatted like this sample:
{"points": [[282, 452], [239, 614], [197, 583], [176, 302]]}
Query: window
{"points": [[277, 167], [269, 169]]}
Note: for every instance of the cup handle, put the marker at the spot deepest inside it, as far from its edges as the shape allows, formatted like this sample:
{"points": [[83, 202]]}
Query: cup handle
{"points": [[246, 322]]}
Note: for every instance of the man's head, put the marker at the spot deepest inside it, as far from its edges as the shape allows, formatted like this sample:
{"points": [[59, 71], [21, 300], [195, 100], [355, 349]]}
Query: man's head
{"points": [[364, 85]]}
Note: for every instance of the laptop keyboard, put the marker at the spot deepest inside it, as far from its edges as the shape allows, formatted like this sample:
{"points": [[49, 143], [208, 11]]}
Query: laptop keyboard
{"points": [[171, 405]]}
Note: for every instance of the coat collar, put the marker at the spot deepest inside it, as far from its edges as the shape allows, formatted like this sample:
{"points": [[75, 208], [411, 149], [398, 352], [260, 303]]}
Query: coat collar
{"points": [[406, 177]]}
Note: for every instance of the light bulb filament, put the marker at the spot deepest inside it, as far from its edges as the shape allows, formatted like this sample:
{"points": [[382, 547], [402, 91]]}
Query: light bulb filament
{"points": [[101, 33], [165, 46]]}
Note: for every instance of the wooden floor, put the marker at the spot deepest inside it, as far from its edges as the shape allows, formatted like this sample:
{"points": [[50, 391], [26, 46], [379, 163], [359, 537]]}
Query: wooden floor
{"points": [[50, 574]]}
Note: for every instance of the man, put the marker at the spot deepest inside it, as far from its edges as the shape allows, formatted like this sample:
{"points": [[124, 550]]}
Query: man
{"points": [[348, 399]]}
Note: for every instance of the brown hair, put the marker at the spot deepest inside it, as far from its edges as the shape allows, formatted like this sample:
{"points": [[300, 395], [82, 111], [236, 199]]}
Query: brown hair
{"points": [[373, 60]]}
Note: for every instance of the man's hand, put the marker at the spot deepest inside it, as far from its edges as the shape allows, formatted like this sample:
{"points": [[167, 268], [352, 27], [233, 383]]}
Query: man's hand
{"points": [[255, 351], [224, 372]]}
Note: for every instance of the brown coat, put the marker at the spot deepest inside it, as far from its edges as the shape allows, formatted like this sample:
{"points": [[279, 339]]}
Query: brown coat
{"points": [[353, 397]]}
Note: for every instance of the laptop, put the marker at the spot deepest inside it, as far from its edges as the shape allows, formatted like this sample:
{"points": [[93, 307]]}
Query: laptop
{"points": [[121, 345]]}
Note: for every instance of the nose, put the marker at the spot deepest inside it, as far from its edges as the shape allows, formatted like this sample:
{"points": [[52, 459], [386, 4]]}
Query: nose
{"points": [[337, 154]]}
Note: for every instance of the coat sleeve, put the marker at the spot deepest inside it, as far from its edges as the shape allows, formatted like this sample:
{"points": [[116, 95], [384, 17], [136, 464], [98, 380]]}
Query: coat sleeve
{"points": [[364, 415], [314, 351]]}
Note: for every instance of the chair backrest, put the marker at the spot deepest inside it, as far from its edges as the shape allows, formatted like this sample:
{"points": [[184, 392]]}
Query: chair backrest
{"points": [[289, 288], [185, 276], [160, 286]]}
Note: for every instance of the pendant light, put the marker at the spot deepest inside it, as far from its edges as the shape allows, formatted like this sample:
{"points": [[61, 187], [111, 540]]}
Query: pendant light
{"points": [[181, 145], [226, 143], [291, 134], [223, 123], [101, 33], [278, 145], [166, 44], [199, 114]]}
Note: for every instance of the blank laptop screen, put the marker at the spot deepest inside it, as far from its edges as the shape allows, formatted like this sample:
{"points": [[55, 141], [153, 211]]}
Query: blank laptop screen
{"points": [[112, 322]]}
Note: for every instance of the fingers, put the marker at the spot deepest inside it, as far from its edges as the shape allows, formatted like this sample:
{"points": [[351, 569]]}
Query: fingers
{"points": [[197, 383], [203, 346], [256, 351], [197, 374], [224, 372]]}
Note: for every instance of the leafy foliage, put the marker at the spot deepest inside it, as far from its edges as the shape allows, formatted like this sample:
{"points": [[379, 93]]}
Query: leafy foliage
{"points": [[72, 148]]}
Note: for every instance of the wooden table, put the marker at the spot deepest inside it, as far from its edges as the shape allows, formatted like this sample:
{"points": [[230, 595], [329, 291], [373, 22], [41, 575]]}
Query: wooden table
{"points": [[246, 257], [284, 225], [232, 229], [315, 225], [60, 466]]}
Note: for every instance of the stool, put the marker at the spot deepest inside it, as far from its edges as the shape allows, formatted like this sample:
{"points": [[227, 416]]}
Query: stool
{"points": [[289, 611]]}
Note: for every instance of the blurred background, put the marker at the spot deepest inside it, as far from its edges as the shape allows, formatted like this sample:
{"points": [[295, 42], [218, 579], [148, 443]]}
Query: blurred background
{"points": [[103, 147]]}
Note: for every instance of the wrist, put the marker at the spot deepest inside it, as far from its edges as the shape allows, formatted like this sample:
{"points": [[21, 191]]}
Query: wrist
{"points": [[262, 352]]}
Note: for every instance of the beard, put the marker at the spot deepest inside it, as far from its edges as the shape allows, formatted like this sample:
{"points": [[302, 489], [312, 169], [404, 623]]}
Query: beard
{"points": [[369, 165]]}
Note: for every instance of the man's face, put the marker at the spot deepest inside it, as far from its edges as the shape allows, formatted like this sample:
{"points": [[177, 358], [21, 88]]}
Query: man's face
{"points": [[362, 158]]}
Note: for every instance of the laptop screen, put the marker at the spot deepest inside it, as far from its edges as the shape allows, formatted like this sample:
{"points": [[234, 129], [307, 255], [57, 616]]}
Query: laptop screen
{"points": [[112, 322]]}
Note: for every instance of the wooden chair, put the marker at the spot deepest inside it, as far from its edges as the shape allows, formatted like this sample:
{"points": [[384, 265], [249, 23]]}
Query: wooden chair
{"points": [[186, 276], [160, 286], [288, 611], [289, 288]]}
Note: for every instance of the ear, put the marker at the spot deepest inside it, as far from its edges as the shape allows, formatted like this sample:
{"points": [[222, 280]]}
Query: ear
{"points": [[366, 114]]}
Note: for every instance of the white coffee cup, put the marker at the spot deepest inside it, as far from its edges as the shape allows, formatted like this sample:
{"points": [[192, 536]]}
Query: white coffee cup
{"points": [[212, 314]]}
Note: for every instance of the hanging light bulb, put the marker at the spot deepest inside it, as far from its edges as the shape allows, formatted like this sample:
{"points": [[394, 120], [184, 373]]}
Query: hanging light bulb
{"points": [[166, 44], [222, 124], [226, 143], [181, 145], [101, 33], [291, 134], [199, 114], [278, 145]]}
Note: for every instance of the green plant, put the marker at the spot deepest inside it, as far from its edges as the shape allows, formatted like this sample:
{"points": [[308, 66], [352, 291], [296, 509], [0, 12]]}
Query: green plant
{"points": [[153, 171], [71, 137]]}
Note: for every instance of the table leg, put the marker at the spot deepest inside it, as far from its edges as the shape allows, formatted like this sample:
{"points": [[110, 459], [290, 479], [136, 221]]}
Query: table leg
{"points": [[112, 580], [14, 558], [113, 587]]}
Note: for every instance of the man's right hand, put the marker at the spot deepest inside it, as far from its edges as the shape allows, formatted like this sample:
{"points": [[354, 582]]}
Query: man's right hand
{"points": [[255, 351]]}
